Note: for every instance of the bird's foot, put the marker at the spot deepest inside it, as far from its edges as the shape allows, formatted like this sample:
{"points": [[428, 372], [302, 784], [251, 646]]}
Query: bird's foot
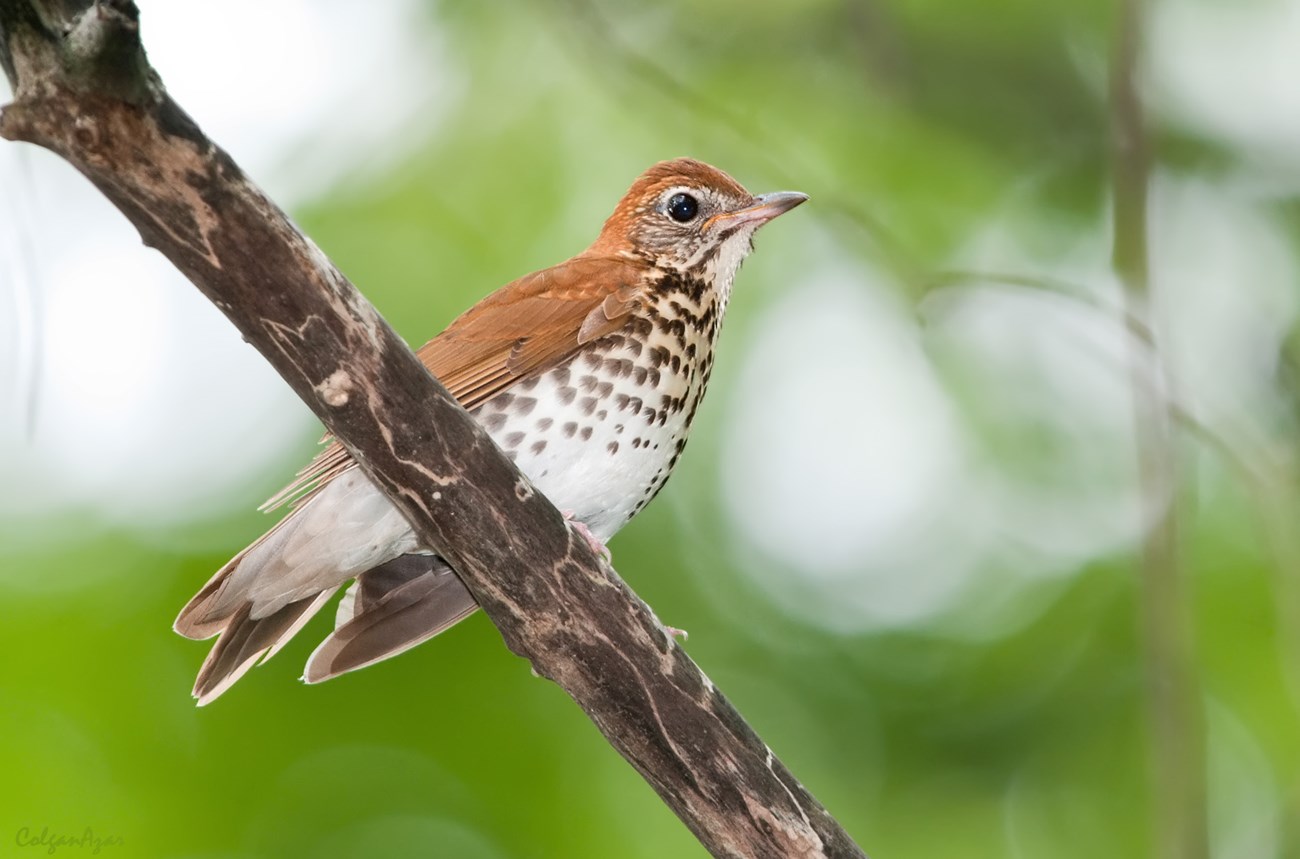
{"points": [[593, 542]]}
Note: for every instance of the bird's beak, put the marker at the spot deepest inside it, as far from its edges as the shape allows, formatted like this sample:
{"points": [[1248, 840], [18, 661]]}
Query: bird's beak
{"points": [[764, 208]]}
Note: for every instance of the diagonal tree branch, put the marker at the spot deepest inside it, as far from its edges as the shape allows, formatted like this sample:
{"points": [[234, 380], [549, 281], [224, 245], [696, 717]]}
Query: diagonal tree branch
{"points": [[84, 89]]}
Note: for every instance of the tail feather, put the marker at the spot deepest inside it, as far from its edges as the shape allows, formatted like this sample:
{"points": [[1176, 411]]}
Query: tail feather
{"points": [[263, 596], [192, 622], [389, 610], [386, 611], [244, 640]]}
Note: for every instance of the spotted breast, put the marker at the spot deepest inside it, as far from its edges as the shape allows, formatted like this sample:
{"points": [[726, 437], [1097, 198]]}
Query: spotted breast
{"points": [[601, 433]]}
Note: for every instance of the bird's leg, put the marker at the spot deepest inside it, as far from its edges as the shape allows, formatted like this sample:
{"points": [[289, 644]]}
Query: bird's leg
{"points": [[594, 542], [602, 551]]}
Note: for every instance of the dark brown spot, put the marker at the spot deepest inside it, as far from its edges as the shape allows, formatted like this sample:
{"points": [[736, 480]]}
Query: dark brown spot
{"points": [[588, 383], [618, 367], [585, 434], [502, 400], [618, 429], [621, 401], [494, 421], [514, 439], [544, 424], [690, 415], [538, 447], [602, 414], [591, 359], [638, 375], [566, 395], [569, 429], [612, 447], [587, 405], [695, 287], [524, 405], [604, 389], [561, 375], [528, 384]]}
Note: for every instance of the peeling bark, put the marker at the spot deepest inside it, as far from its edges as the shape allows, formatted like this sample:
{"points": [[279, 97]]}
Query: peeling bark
{"points": [[84, 89]]}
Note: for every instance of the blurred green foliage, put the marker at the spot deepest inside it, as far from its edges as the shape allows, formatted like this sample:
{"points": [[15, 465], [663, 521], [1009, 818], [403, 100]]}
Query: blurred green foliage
{"points": [[911, 124]]}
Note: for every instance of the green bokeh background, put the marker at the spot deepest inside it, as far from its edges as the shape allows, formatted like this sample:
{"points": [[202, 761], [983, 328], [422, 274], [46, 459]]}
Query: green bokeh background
{"points": [[911, 124]]}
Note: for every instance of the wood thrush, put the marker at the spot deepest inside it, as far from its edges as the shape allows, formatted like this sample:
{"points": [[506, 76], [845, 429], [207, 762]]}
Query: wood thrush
{"points": [[587, 374]]}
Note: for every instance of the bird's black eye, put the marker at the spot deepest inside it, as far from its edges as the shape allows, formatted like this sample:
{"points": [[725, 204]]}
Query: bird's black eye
{"points": [[683, 208]]}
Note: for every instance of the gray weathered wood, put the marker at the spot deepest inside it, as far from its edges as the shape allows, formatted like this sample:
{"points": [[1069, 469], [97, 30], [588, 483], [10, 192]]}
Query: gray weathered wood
{"points": [[84, 89]]}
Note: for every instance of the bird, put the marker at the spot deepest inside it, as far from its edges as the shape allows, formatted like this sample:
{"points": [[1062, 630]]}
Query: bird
{"points": [[587, 374]]}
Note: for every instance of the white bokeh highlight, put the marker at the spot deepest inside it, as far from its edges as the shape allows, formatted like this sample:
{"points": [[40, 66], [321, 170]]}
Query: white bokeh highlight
{"points": [[1229, 71], [127, 397], [839, 441], [886, 468]]}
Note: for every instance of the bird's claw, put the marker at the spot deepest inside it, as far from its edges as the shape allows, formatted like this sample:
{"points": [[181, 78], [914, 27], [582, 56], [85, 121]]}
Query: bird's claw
{"points": [[593, 542]]}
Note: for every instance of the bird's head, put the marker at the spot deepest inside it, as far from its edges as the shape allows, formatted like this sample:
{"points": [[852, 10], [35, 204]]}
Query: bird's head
{"points": [[687, 216]]}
